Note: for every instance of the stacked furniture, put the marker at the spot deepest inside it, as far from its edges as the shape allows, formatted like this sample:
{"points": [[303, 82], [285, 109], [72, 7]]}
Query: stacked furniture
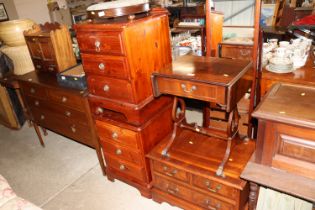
{"points": [[118, 57]]}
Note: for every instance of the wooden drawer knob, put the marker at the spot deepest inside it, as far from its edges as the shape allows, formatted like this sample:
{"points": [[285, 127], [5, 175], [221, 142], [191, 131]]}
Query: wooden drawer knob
{"points": [[73, 129], [184, 88], [115, 135], [101, 66], [68, 114], [32, 90], [106, 88], [42, 117], [36, 103], [64, 99], [122, 167], [118, 152]]}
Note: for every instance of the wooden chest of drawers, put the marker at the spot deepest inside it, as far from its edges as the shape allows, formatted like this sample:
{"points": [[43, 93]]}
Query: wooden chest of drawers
{"points": [[286, 135], [187, 177], [62, 110], [118, 58], [50, 47]]}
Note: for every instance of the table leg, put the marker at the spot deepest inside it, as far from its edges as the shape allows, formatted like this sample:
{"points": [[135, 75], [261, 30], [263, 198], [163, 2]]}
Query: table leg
{"points": [[44, 131], [39, 135], [253, 195]]}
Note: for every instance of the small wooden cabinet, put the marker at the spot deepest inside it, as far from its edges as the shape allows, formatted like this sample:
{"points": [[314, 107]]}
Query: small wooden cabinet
{"points": [[50, 47], [286, 136], [237, 51]]}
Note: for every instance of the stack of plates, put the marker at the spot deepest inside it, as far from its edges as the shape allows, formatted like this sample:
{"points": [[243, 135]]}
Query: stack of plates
{"points": [[280, 65]]}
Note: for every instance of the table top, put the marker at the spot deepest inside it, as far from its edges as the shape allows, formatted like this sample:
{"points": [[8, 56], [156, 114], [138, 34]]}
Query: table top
{"points": [[210, 70], [289, 103], [283, 181]]}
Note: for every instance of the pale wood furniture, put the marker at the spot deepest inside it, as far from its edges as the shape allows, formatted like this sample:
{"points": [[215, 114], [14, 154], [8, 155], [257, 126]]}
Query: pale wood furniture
{"points": [[118, 57], [50, 47]]}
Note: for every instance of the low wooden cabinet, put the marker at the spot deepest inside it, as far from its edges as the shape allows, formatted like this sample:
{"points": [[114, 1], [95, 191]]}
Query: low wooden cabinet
{"points": [[62, 110], [50, 47]]}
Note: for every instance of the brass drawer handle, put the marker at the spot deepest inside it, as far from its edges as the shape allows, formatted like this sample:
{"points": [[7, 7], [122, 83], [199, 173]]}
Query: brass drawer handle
{"points": [[115, 135], [172, 173], [73, 129], [36, 103], [64, 99], [42, 117], [193, 88], [38, 66], [33, 39], [32, 90], [173, 191], [99, 110], [106, 88], [118, 152], [51, 68], [68, 114], [207, 202], [217, 188], [122, 167], [97, 46], [244, 52], [101, 66]]}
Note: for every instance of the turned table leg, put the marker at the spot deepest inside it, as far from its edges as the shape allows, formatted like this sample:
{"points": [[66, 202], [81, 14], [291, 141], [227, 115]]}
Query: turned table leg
{"points": [[39, 135], [253, 195]]}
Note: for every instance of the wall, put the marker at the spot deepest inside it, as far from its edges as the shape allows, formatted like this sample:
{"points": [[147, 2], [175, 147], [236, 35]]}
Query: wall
{"points": [[10, 8], [35, 10]]}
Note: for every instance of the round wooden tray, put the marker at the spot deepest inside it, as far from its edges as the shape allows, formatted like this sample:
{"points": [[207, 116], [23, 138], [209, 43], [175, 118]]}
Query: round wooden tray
{"points": [[129, 11]]}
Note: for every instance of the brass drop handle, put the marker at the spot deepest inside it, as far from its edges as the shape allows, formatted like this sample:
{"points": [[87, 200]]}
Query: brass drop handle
{"points": [[244, 52], [68, 114], [51, 68], [73, 129], [106, 88], [192, 89], [122, 167], [64, 99], [38, 66], [101, 66], [115, 135], [217, 188], [42, 117], [36, 103], [172, 173], [99, 110], [32, 90], [118, 152], [207, 202], [173, 191], [97, 46]]}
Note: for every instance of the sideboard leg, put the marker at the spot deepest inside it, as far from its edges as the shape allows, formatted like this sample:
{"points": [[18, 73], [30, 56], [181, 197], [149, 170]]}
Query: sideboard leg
{"points": [[39, 135], [253, 195]]}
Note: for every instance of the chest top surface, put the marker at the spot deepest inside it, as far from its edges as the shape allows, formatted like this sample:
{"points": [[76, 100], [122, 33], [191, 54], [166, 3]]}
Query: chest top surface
{"points": [[288, 103], [218, 71]]}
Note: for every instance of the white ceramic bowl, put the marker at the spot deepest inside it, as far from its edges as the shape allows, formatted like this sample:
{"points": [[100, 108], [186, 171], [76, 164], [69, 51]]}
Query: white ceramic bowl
{"points": [[11, 32]]}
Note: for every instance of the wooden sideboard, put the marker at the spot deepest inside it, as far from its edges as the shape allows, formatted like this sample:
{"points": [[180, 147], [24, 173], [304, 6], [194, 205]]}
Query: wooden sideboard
{"points": [[118, 58], [62, 110]]}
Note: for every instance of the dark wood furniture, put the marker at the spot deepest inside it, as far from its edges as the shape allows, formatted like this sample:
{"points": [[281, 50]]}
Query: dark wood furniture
{"points": [[118, 57], [187, 178], [286, 140], [62, 110], [50, 47], [236, 51]]}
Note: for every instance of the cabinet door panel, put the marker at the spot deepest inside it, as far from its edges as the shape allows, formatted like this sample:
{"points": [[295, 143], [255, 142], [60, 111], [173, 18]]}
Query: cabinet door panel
{"points": [[34, 48], [47, 49]]}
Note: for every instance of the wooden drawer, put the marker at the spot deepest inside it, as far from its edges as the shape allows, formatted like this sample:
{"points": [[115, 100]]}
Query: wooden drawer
{"points": [[39, 64], [62, 126], [195, 90], [214, 187], [33, 90], [110, 88], [117, 134], [172, 188], [111, 66], [101, 42], [50, 66], [67, 99], [237, 51], [170, 171], [121, 152], [63, 111], [126, 168], [209, 202]]}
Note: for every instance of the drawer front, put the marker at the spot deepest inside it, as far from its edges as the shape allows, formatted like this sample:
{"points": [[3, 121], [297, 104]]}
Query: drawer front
{"points": [[63, 111], [172, 188], [38, 64], [126, 168], [110, 88], [50, 66], [33, 46], [33, 90], [237, 52], [170, 171], [111, 66], [193, 90], [67, 99], [61, 125], [214, 187], [209, 202], [132, 156], [116, 134], [101, 42]]}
